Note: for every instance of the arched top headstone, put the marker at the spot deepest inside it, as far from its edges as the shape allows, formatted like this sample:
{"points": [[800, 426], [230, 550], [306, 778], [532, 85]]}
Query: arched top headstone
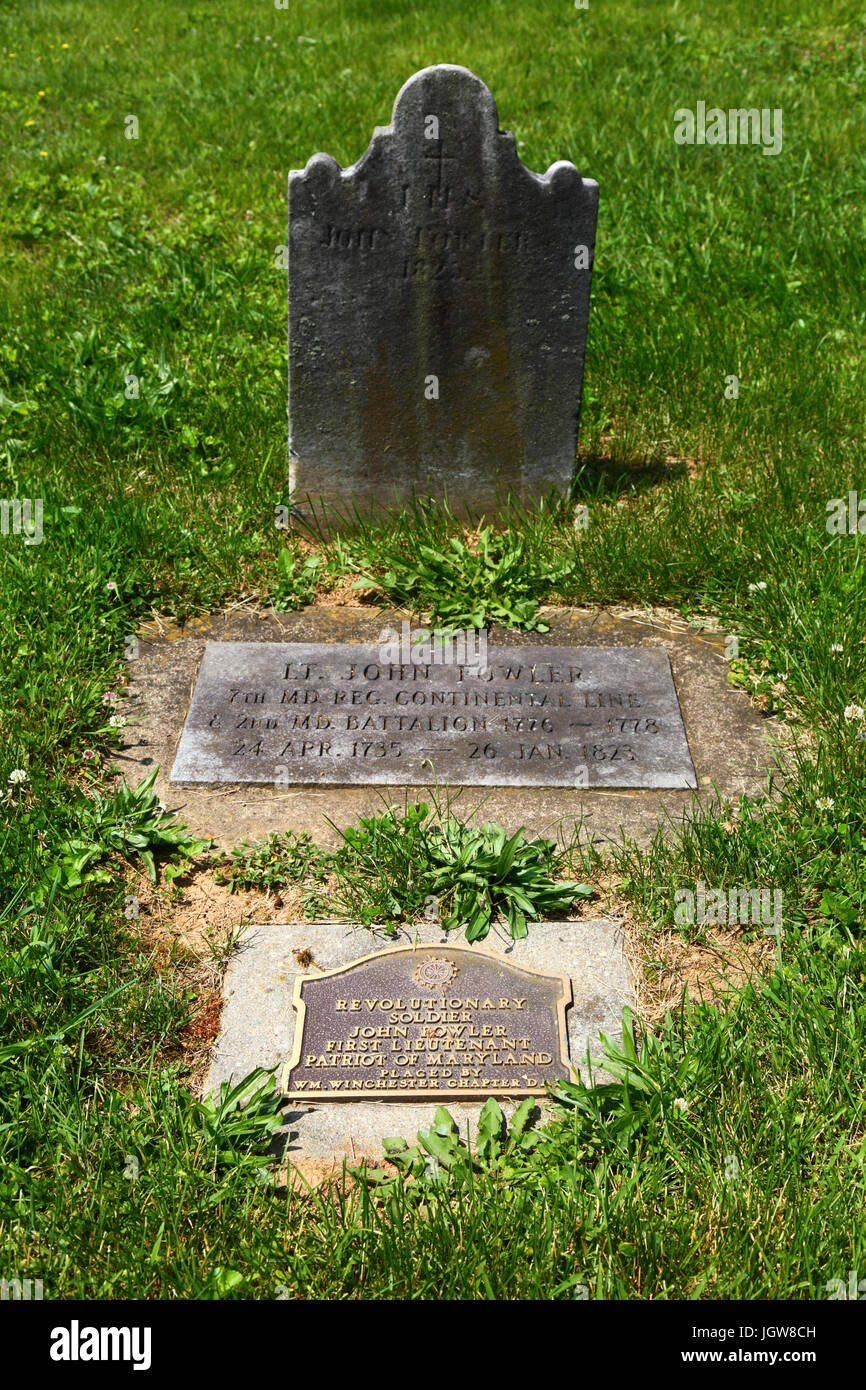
{"points": [[438, 299]]}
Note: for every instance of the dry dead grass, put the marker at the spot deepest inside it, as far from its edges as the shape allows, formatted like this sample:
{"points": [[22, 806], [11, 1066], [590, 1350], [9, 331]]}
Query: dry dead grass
{"points": [[711, 970], [664, 966], [189, 929]]}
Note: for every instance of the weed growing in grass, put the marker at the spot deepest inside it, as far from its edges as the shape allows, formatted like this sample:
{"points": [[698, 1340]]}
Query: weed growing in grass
{"points": [[129, 822], [470, 583], [379, 869], [476, 873], [505, 1151], [396, 867], [425, 561], [657, 1082], [402, 866], [297, 582], [241, 1116], [275, 863]]}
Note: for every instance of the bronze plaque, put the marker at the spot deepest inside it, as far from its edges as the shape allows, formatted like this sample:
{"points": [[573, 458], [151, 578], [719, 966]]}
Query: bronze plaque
{"points": [[428, 1023]]}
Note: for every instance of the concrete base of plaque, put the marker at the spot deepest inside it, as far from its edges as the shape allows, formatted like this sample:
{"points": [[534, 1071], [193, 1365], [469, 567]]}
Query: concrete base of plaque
{"points": [[533, 1007]]}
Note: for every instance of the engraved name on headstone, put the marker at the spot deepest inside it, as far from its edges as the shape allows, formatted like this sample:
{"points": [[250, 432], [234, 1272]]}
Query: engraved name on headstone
{"points": [[338, 714], [431, 1022], [438, 304]]}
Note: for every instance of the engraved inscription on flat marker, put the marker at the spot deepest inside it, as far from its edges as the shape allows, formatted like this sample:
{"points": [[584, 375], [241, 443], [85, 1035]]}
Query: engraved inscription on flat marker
{"points": [[284, 713], [428, 1023], [438, 304]]}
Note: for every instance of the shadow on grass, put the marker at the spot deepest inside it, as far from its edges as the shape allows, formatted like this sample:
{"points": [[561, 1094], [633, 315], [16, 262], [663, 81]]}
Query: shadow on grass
{"points": [[605, 475]]}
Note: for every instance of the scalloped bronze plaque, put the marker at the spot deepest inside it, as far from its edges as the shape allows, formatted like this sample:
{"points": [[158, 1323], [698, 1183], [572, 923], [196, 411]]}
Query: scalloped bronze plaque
{"points": [[428, 1023]]}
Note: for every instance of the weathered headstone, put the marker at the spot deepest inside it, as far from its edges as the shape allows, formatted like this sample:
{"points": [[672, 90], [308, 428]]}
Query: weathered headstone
{"points": [[438, 304], [338, 714]]}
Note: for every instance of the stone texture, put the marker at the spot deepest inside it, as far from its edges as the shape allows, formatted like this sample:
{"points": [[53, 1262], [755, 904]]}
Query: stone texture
{"points": [[437, 255], [257, 1024], [729, 739], [336, 713]]}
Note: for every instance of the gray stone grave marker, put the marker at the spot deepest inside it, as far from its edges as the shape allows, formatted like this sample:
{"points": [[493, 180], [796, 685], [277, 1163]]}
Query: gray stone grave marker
{"points": [[438, 305], [338, 714]]}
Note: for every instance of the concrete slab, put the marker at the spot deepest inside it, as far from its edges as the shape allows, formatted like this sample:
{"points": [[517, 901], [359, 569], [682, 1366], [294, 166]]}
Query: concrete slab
{"points": [[257, 1025], [727, 737]]}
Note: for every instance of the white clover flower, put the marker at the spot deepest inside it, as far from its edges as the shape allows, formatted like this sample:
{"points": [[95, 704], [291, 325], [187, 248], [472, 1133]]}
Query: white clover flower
{"points": [[837, 647], [825, 803], [761, 584], [117, 721], [853, 711], [680, 1104], [18, 776]]}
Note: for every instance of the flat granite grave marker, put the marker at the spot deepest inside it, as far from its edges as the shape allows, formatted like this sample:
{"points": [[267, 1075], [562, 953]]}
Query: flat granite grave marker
{"points": [[438, 304], [429, 1023], [285, 713]]}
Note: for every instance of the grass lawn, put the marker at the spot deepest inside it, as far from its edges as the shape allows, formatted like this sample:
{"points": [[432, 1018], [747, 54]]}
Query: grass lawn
{"points": [[142, 399]]}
